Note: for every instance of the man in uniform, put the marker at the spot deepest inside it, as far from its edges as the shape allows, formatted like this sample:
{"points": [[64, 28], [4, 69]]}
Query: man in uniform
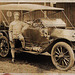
{"points": [[15, 32]]}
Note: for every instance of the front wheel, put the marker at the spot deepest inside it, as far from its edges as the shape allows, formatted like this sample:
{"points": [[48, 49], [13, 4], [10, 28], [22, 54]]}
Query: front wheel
{"points": [[62, 56], [4, 46]]}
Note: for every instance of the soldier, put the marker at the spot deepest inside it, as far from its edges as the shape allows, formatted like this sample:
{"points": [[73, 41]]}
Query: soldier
{"points": [[15, 32]]}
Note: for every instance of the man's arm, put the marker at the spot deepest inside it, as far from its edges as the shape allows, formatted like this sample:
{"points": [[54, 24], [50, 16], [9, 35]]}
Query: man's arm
{"points": [[25, 26], [11, 33]]}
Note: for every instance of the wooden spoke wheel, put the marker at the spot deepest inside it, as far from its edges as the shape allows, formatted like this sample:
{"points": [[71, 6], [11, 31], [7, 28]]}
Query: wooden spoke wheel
{"points": [[4, 46], [62, 56]]}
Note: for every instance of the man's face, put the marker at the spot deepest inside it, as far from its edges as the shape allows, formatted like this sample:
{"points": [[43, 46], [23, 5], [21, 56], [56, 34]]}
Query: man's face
{"points": [[16, 17]]}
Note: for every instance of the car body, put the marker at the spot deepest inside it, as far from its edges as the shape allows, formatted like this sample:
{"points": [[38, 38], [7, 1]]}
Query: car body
{"points": [[44, 35]]}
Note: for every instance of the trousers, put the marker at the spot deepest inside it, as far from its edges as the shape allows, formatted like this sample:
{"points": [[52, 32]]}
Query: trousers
{"points": [[12, 44]]}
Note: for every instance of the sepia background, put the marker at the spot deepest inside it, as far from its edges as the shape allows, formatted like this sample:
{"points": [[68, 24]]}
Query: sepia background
{"points": [[28, 63]]}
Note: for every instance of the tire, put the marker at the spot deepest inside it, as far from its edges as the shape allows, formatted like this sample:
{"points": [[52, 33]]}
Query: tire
{"points": [[4, 46], [62, 56]]}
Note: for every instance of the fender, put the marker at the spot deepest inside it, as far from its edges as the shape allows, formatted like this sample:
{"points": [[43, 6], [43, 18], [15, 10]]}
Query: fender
{"points": [[1, 34], [54, 41], [4, 33]]}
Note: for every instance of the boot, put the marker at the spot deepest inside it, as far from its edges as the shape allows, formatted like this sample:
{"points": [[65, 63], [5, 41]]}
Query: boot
{"points": [[13, 60]]}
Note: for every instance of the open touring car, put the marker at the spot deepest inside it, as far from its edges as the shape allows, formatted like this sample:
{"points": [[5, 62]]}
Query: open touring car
{"points": [[45, 35]]}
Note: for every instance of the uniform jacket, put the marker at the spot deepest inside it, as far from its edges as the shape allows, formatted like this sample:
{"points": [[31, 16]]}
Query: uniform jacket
{"points": [[16, 28]]}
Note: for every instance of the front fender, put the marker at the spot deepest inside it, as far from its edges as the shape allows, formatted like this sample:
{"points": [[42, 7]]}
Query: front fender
{"points": [[54, 41]]}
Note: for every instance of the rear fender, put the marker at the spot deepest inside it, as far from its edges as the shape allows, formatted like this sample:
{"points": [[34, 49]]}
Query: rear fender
{"points": [[4, 33]]}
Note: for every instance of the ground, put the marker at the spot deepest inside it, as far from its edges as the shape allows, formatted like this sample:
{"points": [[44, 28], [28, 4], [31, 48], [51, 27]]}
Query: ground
{"points": [[29, 63]]}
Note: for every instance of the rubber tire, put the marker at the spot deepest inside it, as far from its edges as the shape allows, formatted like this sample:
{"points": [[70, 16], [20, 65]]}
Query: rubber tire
{"points": [[7, 43], [68, 47]]}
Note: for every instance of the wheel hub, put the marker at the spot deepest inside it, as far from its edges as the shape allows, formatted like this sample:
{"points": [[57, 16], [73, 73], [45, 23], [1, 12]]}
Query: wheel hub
{"points": [[61, 55]]}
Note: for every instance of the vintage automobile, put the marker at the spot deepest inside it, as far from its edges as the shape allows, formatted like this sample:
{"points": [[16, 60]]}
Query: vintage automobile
{"points": [[48, 36]]}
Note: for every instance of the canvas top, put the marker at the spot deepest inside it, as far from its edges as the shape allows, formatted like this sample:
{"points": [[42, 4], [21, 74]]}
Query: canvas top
{"points": [[28, 7]]}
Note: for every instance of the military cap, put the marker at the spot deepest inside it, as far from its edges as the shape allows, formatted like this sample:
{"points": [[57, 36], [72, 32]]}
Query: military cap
{"points": [[16, 13]]}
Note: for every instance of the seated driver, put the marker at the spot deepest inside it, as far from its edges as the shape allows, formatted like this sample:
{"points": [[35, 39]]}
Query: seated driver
{"points": [[15, 32]]}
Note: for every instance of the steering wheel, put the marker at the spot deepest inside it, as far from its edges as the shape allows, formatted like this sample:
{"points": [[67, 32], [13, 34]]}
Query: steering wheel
{"points": [[37, 23]]}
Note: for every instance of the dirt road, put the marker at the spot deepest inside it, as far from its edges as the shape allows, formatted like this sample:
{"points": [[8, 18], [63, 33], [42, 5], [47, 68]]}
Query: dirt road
{"points": [[28, 63]]}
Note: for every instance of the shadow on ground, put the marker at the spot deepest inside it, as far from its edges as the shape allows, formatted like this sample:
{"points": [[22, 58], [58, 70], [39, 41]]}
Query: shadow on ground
{"points": [[42, 62]]}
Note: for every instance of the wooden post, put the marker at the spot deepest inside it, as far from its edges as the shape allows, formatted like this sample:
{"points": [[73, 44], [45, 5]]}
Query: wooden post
{"points": [[21, 15], [52, 4], [45, 11]]}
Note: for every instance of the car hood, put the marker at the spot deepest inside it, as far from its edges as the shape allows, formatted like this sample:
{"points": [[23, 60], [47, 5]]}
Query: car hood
{"points": [[53, 22]]}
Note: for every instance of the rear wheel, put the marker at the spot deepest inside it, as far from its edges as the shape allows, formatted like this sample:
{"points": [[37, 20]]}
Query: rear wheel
{"points": [[4, 46], [62, 56]]}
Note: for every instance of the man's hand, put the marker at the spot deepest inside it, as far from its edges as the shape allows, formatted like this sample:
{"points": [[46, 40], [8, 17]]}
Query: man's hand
{"points": [[11, 41]]}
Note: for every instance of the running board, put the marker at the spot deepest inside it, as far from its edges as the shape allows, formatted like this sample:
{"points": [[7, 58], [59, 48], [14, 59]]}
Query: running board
{"points": [[33, 52]]}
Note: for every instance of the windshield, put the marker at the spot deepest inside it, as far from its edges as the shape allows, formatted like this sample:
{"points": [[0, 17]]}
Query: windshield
{"points": [[50, 15]]}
